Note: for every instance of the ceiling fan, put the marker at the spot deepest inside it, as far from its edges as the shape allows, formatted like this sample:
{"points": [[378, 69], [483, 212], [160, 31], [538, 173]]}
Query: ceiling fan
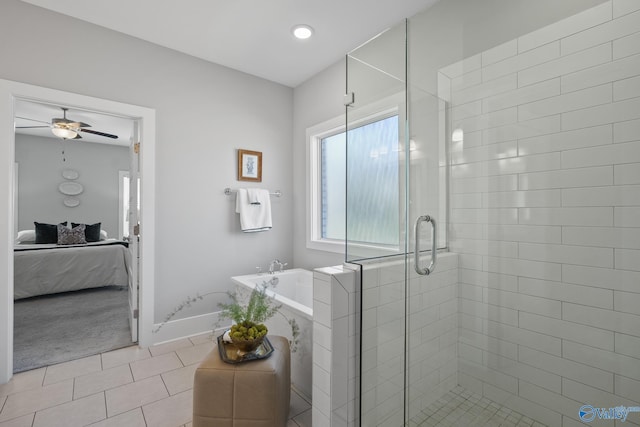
{"points": [[65, 128]]}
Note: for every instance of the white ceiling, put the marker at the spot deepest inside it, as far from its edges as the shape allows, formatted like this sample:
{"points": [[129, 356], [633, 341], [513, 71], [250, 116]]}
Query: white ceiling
{"points": [[253, 36], [28, 113]]}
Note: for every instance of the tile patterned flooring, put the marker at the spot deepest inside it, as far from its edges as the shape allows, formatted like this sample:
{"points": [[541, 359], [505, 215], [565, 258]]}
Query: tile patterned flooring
{"points": [[152, 387], [129, 387], [460, 408]]}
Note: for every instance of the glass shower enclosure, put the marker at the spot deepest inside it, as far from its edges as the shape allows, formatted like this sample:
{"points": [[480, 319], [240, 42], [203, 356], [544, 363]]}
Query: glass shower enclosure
{"points": [[397, 173], [503, 136]]}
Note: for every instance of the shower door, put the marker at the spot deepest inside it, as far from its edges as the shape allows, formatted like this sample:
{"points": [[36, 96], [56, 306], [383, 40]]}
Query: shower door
{"points": [[377, 216], [396, 176]]}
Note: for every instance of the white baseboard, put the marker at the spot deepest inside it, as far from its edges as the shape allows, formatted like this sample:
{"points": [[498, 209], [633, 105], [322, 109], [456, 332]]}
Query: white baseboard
{"points": [[187, 327]]}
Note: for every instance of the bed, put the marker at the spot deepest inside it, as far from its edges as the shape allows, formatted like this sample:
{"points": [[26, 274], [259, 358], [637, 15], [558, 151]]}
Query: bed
{"points": [[41, 269]]}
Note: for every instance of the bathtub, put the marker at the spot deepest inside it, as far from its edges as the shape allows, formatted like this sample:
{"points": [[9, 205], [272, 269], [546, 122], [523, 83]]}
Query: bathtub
{"points": [[294, 291]]}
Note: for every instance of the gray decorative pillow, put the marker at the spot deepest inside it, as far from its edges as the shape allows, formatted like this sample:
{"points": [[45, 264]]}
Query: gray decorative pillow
{"points": [[71, 236]]}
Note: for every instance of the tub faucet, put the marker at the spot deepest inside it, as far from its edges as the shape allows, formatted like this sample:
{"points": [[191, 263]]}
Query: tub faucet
{"points": [[273, 264]]}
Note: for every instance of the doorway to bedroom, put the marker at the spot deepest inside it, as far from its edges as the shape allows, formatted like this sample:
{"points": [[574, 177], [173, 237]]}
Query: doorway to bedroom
{"points": [[76, 247], [10, 93]]}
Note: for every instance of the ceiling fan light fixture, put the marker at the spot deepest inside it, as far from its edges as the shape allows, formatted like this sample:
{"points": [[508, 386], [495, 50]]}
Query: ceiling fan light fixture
{"points": [[302, 31], [64, 133]]}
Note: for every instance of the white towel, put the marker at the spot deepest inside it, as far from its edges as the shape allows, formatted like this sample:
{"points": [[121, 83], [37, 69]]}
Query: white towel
{"points": [[254, 207], [253, 194]]}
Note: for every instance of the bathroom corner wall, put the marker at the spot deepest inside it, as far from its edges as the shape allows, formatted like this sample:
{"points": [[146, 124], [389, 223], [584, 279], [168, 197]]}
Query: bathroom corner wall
{"points": [[545, 214], [336, 305]]}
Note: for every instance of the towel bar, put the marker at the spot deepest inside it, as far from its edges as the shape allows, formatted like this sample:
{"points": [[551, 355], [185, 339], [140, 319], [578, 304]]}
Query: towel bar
{"points": [[228, 192]]}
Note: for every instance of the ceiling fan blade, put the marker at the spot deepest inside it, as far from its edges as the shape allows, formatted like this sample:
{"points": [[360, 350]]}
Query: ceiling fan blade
{"points": [[33, 120], [61, 122], [95, 132], [78, 125], [31, 127]]}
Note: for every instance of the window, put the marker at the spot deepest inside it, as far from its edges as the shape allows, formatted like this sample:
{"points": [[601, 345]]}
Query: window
{"points": [[369, 164]]}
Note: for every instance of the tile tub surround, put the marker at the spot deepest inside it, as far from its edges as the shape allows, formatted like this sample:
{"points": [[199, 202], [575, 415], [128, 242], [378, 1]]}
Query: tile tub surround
{"points": [[294, 293], [335, 342], [130, 387], [545, 207]]}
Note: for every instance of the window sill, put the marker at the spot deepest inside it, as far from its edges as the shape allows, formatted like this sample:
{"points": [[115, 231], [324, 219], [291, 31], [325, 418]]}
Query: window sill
{"points": [[363, 251], [327, 246]]}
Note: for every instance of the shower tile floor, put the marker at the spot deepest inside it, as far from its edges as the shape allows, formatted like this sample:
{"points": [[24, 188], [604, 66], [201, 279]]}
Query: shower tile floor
{"points": [[461, 408]]}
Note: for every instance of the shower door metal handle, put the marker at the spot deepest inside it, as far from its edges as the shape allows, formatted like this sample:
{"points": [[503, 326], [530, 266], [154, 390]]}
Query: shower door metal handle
{"points": [[434, 243]]}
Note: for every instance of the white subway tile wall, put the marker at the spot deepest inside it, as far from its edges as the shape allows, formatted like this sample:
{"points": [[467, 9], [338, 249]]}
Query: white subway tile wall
{"points": [[335, 338], [432, 344], [545, 216]]}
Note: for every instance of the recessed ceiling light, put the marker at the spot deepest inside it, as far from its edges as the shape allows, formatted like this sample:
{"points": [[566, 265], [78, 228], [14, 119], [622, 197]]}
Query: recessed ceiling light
{"points": [[302, 31]]}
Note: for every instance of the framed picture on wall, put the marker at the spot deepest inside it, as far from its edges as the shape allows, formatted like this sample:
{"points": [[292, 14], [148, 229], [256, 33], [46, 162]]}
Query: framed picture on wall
{"points": [[249, 165]]}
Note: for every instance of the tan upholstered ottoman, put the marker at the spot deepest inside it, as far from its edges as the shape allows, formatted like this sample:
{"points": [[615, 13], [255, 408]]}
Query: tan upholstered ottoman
{"points": [[254, 393]]}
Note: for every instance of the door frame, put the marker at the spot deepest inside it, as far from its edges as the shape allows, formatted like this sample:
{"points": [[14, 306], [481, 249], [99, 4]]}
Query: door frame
{"points": [[9, 92]]}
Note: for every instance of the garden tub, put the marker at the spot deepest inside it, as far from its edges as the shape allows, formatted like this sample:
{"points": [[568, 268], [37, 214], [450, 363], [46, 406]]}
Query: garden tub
{"points": [[293, 290]]}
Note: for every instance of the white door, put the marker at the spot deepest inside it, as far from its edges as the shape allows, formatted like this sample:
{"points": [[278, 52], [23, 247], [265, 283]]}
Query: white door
{"points": [[134, 227]]}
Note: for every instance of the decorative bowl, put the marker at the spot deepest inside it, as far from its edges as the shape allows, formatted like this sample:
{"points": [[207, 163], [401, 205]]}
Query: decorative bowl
{"points": [[247, 346]]}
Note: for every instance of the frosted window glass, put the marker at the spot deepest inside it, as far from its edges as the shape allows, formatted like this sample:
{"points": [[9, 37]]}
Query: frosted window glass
{"points": [[333, 186], [372, 174]]}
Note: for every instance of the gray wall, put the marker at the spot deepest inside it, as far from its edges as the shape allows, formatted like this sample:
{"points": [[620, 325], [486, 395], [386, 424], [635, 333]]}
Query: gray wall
{"points": [[204, 113], [40, 172], [315, 101]]}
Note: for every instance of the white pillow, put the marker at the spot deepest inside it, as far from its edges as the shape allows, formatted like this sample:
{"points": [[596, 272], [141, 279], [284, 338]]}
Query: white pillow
{"points": [[26, 236], [103, 235]]}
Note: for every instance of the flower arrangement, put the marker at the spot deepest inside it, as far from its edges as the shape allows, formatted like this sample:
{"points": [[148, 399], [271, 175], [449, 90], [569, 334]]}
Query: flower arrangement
{"points": [[248, 331], [248, 314]]}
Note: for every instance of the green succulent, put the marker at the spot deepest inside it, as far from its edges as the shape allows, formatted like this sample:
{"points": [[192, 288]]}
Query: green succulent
{"points": [[248, 331]]}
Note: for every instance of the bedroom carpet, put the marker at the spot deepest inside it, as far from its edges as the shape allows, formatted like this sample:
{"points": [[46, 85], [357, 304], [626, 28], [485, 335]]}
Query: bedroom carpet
{"points": [[57, 328]]}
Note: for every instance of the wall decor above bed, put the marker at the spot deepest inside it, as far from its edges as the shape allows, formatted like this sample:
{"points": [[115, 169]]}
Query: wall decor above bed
{"points": [[70, 174], [71, 202], [70, 188]]}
